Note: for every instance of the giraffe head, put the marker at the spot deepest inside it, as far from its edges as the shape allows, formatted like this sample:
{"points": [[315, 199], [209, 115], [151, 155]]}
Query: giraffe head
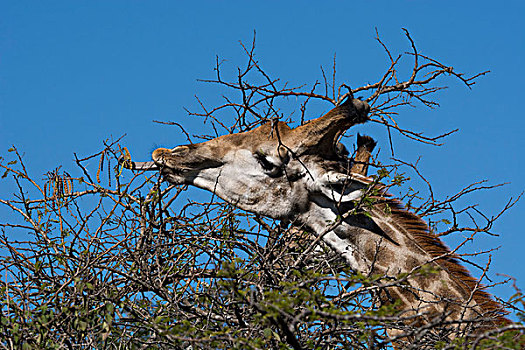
{"points": [[272, 170]]}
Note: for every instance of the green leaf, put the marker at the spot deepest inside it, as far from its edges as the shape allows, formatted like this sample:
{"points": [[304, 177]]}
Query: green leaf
{"points": [[267, 332], [82, 325], [110, 307]]}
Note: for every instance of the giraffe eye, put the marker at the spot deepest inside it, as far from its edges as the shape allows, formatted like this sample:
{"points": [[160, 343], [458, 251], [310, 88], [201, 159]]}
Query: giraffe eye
{"points": [[273, 170], [264, 162]]}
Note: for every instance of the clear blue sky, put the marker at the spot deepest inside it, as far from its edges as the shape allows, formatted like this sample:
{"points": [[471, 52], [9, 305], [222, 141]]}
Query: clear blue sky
{"points": [[73, 73]]}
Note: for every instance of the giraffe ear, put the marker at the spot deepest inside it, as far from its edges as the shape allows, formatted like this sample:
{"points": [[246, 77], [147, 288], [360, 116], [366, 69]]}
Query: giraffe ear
{"points": [[340, 188]]}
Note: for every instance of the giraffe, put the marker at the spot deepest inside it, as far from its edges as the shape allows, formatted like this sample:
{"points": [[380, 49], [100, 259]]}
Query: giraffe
{"points": [[301, 175]]}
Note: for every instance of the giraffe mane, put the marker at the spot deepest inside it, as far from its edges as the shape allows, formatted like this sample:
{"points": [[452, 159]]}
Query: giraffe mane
{"points": [[429, 242]]}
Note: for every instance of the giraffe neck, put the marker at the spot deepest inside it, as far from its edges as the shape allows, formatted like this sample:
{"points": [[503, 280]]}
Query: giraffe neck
{"points": [[390, 245]]}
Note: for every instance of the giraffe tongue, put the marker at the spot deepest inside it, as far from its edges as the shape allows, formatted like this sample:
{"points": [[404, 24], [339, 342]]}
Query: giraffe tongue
{"points": [[128, 164], [145, 166]]}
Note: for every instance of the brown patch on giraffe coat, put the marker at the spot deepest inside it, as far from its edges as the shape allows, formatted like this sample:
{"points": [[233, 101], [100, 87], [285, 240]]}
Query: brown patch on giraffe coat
{"points": [[370, 250], [410, 295], [411, 263]]}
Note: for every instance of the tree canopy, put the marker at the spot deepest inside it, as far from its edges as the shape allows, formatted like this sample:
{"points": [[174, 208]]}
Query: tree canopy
{"points": [[103, 257]]}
